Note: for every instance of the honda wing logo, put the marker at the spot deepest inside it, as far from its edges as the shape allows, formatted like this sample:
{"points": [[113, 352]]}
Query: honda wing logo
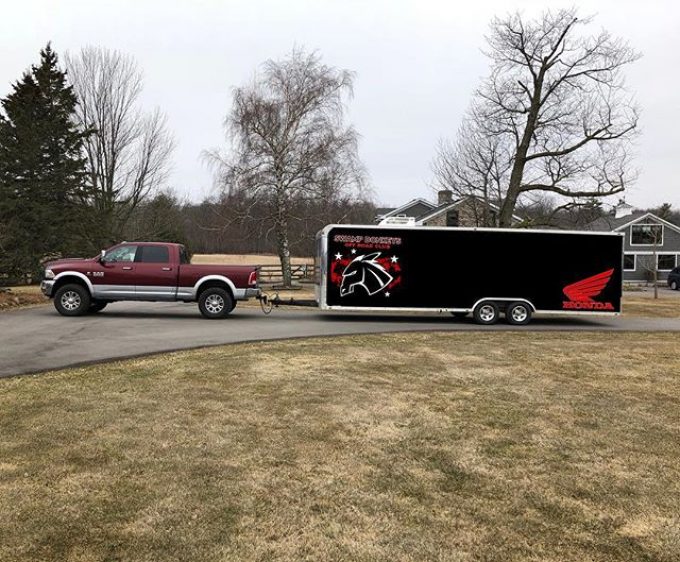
{"points": [[582, 293]]}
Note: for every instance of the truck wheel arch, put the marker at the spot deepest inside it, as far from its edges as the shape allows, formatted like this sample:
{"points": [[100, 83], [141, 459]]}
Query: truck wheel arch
{"points": [[214, 281], [72, 277]]}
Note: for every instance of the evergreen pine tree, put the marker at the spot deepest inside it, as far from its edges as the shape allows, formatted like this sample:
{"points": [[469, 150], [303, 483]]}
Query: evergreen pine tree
{"points": [[42, 195]]}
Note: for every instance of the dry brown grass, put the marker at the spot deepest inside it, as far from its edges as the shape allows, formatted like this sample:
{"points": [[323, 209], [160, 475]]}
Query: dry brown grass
{"points": [[244, 259], [642, 304], [485, 446]]}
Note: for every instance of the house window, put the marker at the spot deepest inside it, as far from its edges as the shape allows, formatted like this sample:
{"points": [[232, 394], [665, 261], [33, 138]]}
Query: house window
{"points": [[452, 218], [629, 262], [665, 262], [646, 234]]}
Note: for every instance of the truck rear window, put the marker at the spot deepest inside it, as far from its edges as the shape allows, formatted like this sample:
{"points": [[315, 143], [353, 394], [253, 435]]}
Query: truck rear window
{"points": [[153, 254]]}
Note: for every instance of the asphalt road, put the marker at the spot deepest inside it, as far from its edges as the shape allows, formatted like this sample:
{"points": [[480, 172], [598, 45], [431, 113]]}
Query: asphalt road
{"points": [[38, 339]]}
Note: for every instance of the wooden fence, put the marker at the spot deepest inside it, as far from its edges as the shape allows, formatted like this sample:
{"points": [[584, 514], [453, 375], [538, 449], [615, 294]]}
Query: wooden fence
{"points": [[272, 274]]}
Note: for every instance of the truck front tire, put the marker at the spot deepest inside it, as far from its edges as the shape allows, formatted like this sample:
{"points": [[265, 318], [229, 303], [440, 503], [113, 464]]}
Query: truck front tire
{"points": [[486, 313], [72, 300], [215, 302]]}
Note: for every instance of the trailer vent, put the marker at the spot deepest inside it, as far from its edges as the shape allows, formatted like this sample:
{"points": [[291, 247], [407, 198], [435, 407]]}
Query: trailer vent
{"points": [[400, 220]]}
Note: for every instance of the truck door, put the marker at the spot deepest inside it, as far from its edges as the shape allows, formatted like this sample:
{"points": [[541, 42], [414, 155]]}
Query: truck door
{"points": [[115, 278], [156, 275]]}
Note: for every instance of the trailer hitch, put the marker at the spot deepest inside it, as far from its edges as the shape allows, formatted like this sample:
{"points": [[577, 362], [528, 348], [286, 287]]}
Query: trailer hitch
{"points": [[267, 303]]}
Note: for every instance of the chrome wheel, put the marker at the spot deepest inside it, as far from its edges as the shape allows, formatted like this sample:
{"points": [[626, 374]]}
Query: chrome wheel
{"points": [[519, 314], [487, 313], [214, 304], [71, 301]]}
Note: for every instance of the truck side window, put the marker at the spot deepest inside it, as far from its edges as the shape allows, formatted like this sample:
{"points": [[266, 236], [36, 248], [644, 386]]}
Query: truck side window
{"points": [[153, 254], [122, 253]]}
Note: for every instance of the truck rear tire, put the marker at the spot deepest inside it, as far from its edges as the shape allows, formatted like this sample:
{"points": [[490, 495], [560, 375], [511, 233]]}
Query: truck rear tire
{"points": [[215, 302], [518, 314], [486, 313], [72, 300]]}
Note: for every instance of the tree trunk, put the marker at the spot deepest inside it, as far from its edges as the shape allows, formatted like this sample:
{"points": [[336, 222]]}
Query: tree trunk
{"points": [[517, 174], [282, 244], [655, 276]]}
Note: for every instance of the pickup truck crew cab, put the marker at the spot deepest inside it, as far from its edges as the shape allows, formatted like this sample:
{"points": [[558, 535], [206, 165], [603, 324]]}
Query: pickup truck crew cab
{"points": [[146, 271]]}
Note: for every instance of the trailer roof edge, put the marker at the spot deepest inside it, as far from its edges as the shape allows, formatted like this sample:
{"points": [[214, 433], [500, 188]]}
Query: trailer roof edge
{"points": [[325, 229]]}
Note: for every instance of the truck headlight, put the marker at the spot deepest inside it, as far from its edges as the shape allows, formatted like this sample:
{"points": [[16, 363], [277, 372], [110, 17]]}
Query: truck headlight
{"points": [[49, 274]]}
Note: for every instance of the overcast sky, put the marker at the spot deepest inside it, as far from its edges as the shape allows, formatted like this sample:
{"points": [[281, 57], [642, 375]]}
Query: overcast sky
{"points": [[417, 64]]}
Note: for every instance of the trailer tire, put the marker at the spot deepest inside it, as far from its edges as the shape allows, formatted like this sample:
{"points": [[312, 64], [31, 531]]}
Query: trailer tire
{"points": [[215, 303], [486, 313], [518, 314]]}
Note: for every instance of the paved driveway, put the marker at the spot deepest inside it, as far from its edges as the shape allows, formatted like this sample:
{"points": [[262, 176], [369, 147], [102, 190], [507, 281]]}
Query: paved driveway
{"points": [[39, 339]]}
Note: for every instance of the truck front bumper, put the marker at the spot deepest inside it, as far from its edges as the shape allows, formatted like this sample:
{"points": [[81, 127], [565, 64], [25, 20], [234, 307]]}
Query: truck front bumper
{"points": [[46, 287]]}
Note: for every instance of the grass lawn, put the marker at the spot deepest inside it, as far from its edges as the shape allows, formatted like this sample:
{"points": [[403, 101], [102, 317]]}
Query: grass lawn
{"points": [[642, 304], [478, 446]]}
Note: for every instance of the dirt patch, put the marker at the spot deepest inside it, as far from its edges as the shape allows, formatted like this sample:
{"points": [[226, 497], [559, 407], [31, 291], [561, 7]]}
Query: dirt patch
{"points": [[21, 297]]}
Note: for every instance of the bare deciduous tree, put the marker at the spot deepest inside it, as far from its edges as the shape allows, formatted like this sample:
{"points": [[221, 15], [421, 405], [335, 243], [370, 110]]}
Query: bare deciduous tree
{"points": [[290, 143], [128, 152], [554, 116]]}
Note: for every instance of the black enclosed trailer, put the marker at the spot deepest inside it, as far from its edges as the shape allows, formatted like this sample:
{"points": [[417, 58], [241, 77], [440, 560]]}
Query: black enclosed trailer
{"points": [[484, 271]]}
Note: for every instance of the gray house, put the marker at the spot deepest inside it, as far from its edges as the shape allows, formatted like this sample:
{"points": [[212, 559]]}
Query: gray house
{"points": [[467, 212], [646, 236]]}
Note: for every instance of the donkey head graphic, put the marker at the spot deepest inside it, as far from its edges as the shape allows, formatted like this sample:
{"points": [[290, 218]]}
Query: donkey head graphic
{"points": [[366, 273]]}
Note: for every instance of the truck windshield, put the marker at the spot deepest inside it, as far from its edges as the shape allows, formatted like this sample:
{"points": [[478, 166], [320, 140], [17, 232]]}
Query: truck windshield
{"points": [[121, 253]]}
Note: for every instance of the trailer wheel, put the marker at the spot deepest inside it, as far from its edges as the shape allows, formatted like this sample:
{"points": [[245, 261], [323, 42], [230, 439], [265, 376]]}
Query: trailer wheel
{"points": [[487, 313], [518, 314]]}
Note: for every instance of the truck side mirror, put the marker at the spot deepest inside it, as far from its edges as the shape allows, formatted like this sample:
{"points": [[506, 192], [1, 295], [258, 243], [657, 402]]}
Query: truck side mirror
{"points": [[102, 256]]}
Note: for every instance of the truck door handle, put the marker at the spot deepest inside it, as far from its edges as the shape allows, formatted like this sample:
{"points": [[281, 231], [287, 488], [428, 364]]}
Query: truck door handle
{"points": [[167, 269], [127, 268]]}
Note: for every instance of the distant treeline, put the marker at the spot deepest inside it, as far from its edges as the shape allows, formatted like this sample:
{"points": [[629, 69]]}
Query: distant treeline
{"points": [[232, 224]]}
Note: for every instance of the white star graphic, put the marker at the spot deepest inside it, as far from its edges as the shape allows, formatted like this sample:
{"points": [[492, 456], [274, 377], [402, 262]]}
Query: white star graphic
{"points": [[354, 251], [338, 256], [387, 294], [394, 259]]}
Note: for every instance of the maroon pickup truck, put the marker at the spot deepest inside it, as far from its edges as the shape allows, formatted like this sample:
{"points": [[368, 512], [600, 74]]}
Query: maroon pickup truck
{"points": [[146, 271]]}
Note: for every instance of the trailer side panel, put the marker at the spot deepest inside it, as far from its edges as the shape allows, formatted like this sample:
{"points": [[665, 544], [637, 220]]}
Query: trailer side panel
{"points": [[453, 269]]}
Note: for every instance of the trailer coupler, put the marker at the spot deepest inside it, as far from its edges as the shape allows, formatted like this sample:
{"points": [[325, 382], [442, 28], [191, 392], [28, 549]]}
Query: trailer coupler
{"points": [[267, 303]]}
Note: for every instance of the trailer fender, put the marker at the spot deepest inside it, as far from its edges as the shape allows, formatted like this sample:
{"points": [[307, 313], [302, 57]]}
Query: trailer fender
{"points": [[506, 300]]}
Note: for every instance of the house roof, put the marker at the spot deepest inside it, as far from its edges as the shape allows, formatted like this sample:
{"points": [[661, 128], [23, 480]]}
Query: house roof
{"points": [[390, 212], [613, 224], [448, 206]]}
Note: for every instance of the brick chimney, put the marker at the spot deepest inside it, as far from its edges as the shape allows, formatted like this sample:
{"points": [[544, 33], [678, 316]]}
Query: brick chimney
{"points": [[444, 196]]}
